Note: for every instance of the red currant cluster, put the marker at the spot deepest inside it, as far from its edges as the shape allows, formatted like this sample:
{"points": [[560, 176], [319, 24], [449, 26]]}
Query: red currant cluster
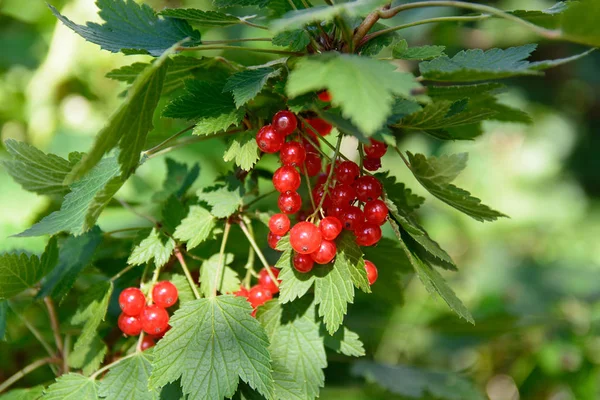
{"points": [[153, 318], [262, 292]]}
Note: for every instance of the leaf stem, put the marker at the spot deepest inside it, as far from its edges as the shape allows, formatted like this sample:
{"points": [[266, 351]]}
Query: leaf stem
{"points": [[221, 265], [259, 253], [240, 48], [331, 170], [155, 276], [54, 324], [186, 271], [259, 198], [35, 332], [26, 370], [162, 144], [239, 40], [126, 206], [191, 140], [112, 364], [122, 272], [309, 188], [137, 228], [67, 347], [253, 25], [403, 158]]}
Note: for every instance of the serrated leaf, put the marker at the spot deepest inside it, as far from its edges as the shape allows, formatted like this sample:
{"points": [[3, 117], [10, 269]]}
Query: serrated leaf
{"points": [[229, 281], [3, 317], [549, 18], [345, 342], [132, 28], [243, 150], [209, 125], [403, 52], [223, 200], [368, 101], [91, 312], [173, 211], [295, 40], [247, 84], [240, 3], [89, 357], [72, 386], [350, 253], [403, 198], [178, 180], [196, 227], [128, 380], [183, 288], [375, 45], [156, 246], [32, 393], [204, 18], [212, 344], [21, 271]]}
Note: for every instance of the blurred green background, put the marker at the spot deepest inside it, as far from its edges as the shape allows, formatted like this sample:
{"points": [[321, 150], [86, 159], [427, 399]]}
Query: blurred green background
{"points": [[531, 281]]}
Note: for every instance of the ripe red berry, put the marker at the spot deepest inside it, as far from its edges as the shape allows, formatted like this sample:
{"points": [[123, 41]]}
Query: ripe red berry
{"points": [[319, 125], [147, 342], [264, 279], [371, 272], [342, 194], [129, 324], [292, 153], [259, 295], [372, 164], [312, 164], [334, 211], [308, 146], [367, 188], [376, 149], [376, 212], [325, 253], [303, 262], [242, 292], [347, 172], [305, 237], [330, 228], [132, 301], [367, 234], [302, 215], [268, 140], [154, 319], [286, 178], [161, 334], [273, 239], [352, 217], [289, 202], [325, 96], [285, 122], [164, 294], [318, 193], [279, 224]]}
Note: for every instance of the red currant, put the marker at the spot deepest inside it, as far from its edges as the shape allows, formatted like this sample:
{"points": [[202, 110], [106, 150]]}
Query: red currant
{"points": [[264, 279], [352, 217], [319, 125], [372, 164], [342, 194], [303, 262], [164, 294], [325, 253], [273, 239], [371, 272], [318, 193], [302, 215], [259, 295], [147, 342], [286, 178], [330, 227], [347, 172], [161, 334], [367, 234], [334, 211], [132, 301], [242, 292], [367, 188], [279, 224], [154, 319], [376, 212], [289, 202], [325, 96], [305, 237], [129, 325], [376, 149], [312, 164], [292, 153], [268, 140], [322, 179], [284, 122]]}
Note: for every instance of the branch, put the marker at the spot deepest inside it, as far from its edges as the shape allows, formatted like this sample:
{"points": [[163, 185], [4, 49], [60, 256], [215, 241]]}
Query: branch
{"points": [[186, 271], [54, 324], [240, 48], [29, 368]]}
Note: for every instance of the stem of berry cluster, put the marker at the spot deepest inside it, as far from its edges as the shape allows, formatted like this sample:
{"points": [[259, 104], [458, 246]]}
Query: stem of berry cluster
{"points": [[221, 265], [122, 272], [26, 370], [331, 171], [259, 253], [309, 188], [112, 364], [153, 282], [186, 271]]}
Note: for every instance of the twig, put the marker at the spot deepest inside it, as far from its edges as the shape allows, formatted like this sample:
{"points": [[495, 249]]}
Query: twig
{"points": [[35, 332], [112, 364], [224, 41], [26, 370], [122, 272], [155, 276], [259, 253], [403, 158], [54, 324], [159, 146], [186, 271], [221, 265], [128, 207], [240, 48]]}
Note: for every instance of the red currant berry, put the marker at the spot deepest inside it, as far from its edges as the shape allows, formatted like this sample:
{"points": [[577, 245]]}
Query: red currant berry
{"points": [[147, 342], [292, 153], [319, 125], [279, 224], [371, 272], [372, 164], [305, 237], [376, 212], [325, 253], [259, 295], [132, 301], [330, 227], [154, 319], [273, 239], [347, 172], [376, 149], [318, 193], [308, 146], [161, 334], [284, 122], [286, 178], [302, 215], [289, 202], [312, 164], [367, 234], [268, 140], [334, 211], [129, 325], [325, 96], [303, 262], [321, 179], [367, 188], [352, 217], [242, 292], [342, 194], [164, 294], [264, 279]]}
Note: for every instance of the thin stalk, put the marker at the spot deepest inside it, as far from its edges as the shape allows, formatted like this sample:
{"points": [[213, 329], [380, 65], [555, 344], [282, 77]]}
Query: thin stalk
{"points": [[361, 155], [191, 140], [331, 170], [112, 364], [292, 4], [253, 25], [240, 40], [403, 158], [309, 187], [35, 332], [138, 346], [128, 207], [162, 144], [155, 276], [259, 253], [67, 347], [250, 263], [259, 198], [186, 271], [26, 370], [122, 272], [221, 265], [54, 324], [240, 48], [144, 273], [137, 228]]}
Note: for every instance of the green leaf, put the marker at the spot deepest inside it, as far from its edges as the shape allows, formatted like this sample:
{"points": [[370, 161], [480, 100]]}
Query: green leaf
{"points": [[32, 393], [240, 3], [346, 342], [229, 281], [549, 18], [247, 84], [35, 170], [212, 344], [178, 180], [209, 125], [375, 45], [223, 200], [196, 227], [72, 387], [434, 174], [479, 65], [350, 254], [91, 312], [128, 380], [3, 317], [21, 271], [294, 284], [156, 246], [295, 40], [402, 197], [579, 23], [403, 52], [132, 28], [243, 150], [203, 18], [89, 357], [183, 288], [368, 101]]}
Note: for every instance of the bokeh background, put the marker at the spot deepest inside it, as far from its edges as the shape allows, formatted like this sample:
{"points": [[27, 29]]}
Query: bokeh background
{"points": [[531, 281]]}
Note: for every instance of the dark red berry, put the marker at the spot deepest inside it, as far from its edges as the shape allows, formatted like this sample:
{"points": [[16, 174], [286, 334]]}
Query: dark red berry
{"points": [[325, 253], [292, 153], [330, 228], [264, 279], [312, 164], [129, 324], [259, 295], [321, 179], [305, 237], [268, 140], [279, 224], [325, 96], [347, 172], [302, 215], [367, 188], [372, 164], [273, 239], [308, 146], [147, 342], [318, 193], [334, 211], [319, 125], [371, 272], [367, 234], [289, 202], [285, 122], [242, 292], [351, 217], [286, 178], [375, 149], [342, 194], [154, 319], [164, 294], [303, 262], [161, 334], [132, 301], [376, 212]]}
